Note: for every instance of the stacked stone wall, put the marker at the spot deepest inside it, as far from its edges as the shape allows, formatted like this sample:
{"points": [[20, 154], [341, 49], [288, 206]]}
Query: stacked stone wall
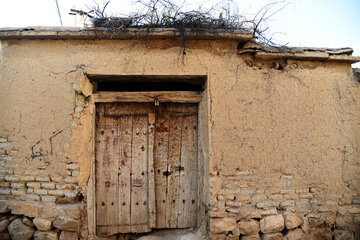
{"points": [[240, 209]]}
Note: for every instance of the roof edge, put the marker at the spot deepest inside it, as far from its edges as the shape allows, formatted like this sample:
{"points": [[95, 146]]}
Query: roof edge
{"points": [[75, 33]]}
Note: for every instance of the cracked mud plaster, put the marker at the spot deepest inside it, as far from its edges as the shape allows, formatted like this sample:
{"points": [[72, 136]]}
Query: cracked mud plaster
{"points": [[80, 147]]}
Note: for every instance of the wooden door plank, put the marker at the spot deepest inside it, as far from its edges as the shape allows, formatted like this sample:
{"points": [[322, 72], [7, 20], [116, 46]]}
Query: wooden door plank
{"points": [[150, 171], [139, 184], [161, 154], [188, 174], [125, 134], [172, 203], [107, 176]]}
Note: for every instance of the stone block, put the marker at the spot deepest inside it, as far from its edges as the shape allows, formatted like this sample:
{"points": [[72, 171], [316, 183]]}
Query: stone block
{"points": [[42, 179], [222, 225], [19, 231], [3, 224], [354, 210], [70, 180], [287, 204], [56, 193], [72, 166], [75, 173], [50, 199], [71, 225], [249, 227], [33, 185], [27, 221], [292, 220], [272, 224], [12, 178], [18, 192], [39, 235], [27, 178], [4, 191], [48, 185], [17, 185], [32, 197], [27, 209], [272, 236], [5, 236], [66, 235], [251, 237], [296, 234], [3, 207], [41, 192], [29, 190], [42, 224]]}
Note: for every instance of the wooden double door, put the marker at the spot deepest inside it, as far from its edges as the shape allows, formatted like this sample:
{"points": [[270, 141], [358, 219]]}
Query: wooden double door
{"points": [[146, 167]]}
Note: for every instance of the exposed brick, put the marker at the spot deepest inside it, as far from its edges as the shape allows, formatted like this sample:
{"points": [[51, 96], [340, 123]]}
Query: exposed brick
{"points": [[70, 180], [48, 185], [33, 185], [287, 204], [48, 198], [18, 185], [56, 192], [307, 195], [72, 166], [29, 190], [56, 178], [12, 178], [42, 179], [4, 191], [32, 197], [4, 184], [27, 178], [41, 192], [75, 173], [18, 192]]}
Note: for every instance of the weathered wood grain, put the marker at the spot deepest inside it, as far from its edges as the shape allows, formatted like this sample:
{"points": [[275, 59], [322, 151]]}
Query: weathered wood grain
{"points": [[125, 134], [145, 97]]}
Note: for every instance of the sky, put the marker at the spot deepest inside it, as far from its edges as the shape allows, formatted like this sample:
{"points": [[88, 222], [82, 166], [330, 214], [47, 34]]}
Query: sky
{"points": [[310, 23]]}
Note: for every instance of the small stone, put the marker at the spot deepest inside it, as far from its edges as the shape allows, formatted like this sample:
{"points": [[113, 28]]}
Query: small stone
{"points": [[18, 192], [272, 236], [269, 212], [272, 224], [39, 235], [70, 180], [42, 179], [48, 185], [20, 231], [28, 222], [354, 210], [72, 166], [56, 178], [66, 235], [75, 173], [5, 236], [41, 192], [12, 178], [3, 207], [27, 209], [251, 237], [33, 185], [296, 234], [68, 224], [292, 220], [255, 215], [32, 197], [27, 178], [50, 199], [42, 224], [56, 193], [222, 225], [287, 204], [249, 227], [4, 191], [13, 217], [17, 185], [3, 224]]}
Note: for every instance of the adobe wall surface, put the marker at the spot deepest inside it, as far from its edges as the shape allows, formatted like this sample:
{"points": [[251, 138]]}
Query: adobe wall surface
{"points": [[283, 142]]}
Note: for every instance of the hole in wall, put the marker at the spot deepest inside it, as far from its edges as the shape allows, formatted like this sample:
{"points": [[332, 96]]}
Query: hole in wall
{"points": [[147, 83]]}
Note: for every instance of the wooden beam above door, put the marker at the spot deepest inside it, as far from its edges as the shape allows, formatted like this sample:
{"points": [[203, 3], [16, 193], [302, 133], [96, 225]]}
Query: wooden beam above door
{"points": [[168, 96]]}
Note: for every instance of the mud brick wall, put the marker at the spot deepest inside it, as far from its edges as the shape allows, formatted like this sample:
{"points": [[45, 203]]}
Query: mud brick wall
{"points": [[282, 144]]}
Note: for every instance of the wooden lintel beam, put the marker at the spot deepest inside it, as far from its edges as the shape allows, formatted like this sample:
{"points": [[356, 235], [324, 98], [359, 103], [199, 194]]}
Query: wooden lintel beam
{"points": [[168, 96]]}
